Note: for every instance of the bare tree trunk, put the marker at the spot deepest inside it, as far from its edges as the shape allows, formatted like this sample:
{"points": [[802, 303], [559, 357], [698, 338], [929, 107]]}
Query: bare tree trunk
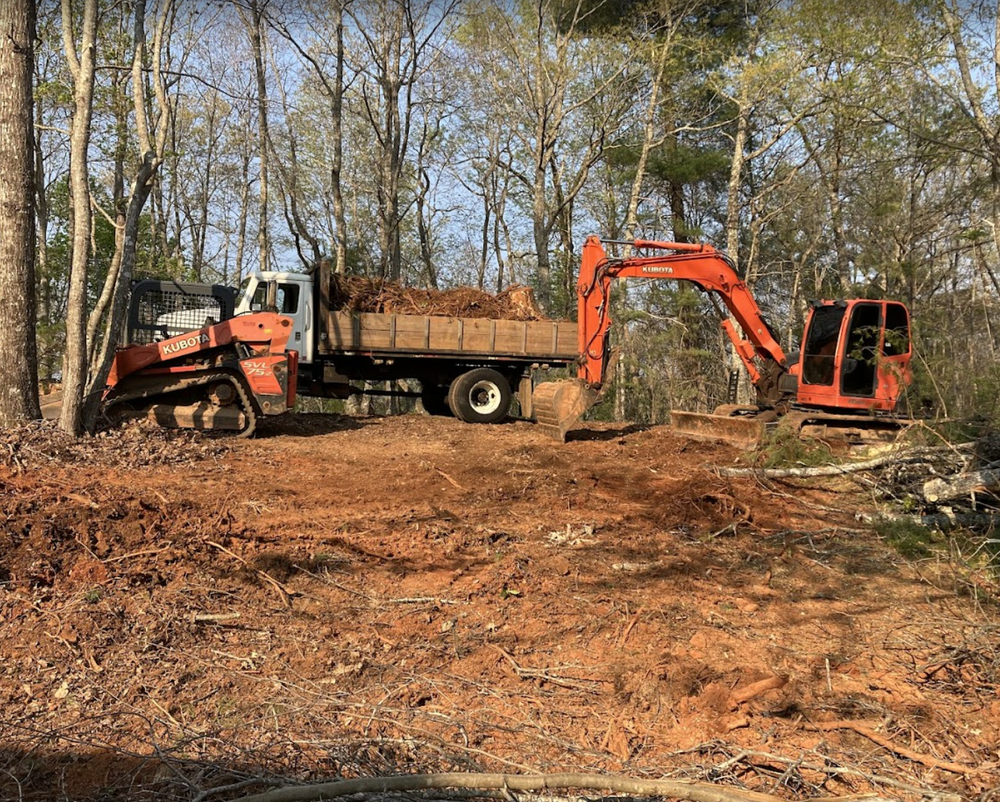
{"points": [[18, 369], [255, 31], [735, 183], [540, 230], [118, 195], [152, 151], [82, 70], [43, 298], [337, 132], [241, 235]]}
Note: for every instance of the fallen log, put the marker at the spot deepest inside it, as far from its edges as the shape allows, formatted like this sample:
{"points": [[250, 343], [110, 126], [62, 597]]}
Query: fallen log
{"points": [[672, 789], [943, 521], [894, 458], [963, 484]]}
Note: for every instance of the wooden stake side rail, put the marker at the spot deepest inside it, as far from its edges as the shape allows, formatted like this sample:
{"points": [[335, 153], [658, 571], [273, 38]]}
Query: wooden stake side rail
{"points": [[362, 331]]}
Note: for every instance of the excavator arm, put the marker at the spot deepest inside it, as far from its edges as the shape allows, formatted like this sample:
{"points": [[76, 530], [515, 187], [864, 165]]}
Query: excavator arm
{"points": [[559, 404], [703, 266]]}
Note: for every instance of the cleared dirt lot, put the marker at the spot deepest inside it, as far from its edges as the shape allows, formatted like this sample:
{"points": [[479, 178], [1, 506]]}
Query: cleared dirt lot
{"points": [[344, 596]]}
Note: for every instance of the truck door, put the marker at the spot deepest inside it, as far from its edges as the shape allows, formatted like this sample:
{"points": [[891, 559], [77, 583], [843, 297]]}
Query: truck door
{"points": [[293, 301], [292, 298]]}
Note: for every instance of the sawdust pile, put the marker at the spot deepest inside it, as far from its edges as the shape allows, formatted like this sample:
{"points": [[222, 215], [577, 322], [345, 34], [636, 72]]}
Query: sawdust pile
{"points": [[361, 294]]}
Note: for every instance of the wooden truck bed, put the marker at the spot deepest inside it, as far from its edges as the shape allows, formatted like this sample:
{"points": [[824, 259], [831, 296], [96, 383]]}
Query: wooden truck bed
{"points": [[450, 336]]}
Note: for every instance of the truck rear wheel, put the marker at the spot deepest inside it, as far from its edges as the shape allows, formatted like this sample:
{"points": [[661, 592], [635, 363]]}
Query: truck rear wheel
{"points": [[480, 396]]}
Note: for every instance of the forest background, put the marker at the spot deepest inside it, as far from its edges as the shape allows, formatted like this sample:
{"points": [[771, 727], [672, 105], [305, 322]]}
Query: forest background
{"points": [[834, 149]]}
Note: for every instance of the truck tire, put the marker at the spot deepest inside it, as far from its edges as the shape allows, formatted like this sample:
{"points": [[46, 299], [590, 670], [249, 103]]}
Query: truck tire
{"points": [[480, 396], [434, 398]]}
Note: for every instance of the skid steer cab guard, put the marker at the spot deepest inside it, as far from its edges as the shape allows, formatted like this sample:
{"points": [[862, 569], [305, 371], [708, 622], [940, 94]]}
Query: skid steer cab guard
{"points": [[160, 310]]}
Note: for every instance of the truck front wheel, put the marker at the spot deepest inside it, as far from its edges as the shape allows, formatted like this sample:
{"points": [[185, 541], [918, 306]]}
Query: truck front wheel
{"points": [[480, 396]]}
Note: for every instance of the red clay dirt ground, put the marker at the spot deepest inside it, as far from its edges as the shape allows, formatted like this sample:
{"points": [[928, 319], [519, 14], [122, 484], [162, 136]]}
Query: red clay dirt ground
{"points": [[389, 595]]}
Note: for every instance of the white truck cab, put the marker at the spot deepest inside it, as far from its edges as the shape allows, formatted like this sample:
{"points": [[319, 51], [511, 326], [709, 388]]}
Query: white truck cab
{"points": [[294, 298]]}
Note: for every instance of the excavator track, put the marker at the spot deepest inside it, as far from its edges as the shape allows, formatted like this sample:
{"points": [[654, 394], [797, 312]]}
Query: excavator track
{"points": [[853, 429], [217, 412]]}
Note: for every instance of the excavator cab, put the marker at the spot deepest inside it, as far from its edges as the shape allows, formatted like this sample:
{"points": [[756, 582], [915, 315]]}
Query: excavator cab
{"points": [[855, 355]]}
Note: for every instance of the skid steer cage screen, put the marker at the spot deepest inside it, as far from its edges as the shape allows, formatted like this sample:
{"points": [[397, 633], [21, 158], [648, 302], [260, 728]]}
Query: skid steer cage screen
{"points": [[161, 309]]}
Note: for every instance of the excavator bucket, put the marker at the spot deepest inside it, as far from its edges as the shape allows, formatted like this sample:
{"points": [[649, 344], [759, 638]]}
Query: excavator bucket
{"points": [[742, 432], [560, 404]]}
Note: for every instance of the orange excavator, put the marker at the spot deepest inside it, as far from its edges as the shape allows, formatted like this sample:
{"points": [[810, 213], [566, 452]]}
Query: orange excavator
{"points": [[221, 377], [847, 380]]}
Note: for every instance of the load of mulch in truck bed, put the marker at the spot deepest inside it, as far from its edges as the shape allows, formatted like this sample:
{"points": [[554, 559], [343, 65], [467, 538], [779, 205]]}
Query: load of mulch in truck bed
{"points": [[361, 294]]}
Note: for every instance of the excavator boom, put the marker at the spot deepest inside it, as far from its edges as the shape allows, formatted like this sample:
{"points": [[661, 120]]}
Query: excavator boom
{"points": [[558, 405]]}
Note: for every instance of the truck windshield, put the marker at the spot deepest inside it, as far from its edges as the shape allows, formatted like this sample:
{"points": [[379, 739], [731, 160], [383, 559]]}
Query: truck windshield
{"points": [[287, 298]]}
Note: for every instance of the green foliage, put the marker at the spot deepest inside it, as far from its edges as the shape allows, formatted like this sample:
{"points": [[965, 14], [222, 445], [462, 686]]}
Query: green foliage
{"points": [[94, 595], [784, 448], [911, 540], [688, 164]]}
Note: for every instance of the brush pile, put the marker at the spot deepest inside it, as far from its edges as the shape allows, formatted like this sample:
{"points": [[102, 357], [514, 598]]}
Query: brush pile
{"points": [[361, 294], [41, 444]]}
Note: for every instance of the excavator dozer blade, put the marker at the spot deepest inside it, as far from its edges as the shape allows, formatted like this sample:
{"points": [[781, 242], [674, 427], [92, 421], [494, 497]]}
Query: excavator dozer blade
{"points": [[560, 404], [742, 432]]}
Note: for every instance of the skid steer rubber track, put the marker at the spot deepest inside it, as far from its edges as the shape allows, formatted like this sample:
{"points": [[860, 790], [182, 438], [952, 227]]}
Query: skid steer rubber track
{"points": [[238, 419]]}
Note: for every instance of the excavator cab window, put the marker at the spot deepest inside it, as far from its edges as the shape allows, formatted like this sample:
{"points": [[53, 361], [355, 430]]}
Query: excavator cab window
{"points": [[897, 331], [861, 357], [820, 349]]}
